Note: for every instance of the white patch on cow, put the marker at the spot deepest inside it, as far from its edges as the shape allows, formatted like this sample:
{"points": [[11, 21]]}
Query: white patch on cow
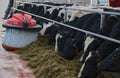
{"points": [[70, 12], [37, 4], [61, 11], [80, 72], [72, 17], [77, 14], [87, 42], [76, 4], [81, 59], [45, 26], [90, 54], [21, 4], [51, 10], [56, 44]]}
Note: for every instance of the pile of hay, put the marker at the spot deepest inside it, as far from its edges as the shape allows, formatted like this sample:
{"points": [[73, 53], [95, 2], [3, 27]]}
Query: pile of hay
{"points": [[46, 63]]}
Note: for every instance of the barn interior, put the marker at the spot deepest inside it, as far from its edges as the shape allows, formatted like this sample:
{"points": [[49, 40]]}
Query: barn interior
{"points": [[60, 39]]}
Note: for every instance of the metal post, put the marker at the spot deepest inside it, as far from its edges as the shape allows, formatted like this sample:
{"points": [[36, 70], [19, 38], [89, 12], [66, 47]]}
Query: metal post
{"points": [[93, 3], [102, 20], [65, 13], [45, 9]]}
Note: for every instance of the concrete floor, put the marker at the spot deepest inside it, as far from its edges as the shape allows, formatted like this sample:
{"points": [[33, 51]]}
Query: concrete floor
{"points": [[3, 4], [10, 65]]}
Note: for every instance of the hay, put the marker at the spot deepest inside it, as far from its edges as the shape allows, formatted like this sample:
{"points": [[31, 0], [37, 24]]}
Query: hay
{"points": [[46, 63]]}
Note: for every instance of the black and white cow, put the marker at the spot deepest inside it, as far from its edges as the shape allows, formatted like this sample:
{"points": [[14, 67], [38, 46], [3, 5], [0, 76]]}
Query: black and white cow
{"points": [[74, 46], [64, 31], [27, 7], [53, 30], [59, 18], [73, 21], [46, 14], [40, 12], [111, 62], [69, 37], [92, 43], [35, 9], [89, 68], [79, 37], [91, 24], [53, 15]]}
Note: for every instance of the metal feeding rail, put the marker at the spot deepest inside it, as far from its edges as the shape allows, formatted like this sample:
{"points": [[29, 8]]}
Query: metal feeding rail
{"points": [[35, 4], [79, 8], [78, 29]]}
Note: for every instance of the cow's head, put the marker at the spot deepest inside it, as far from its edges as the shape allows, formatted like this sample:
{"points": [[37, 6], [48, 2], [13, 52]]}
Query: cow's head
{"points": [[89, 68], [69, 50]]}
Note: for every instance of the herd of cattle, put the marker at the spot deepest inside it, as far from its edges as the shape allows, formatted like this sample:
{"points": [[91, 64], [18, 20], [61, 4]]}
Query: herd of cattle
{"points": [[96, 54]]}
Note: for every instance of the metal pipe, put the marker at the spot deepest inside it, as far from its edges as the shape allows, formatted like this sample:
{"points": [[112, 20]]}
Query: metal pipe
{"points": [[78, 29], [65, 13], [102, 20], [79, 8], [92, 10], [36, 4]]}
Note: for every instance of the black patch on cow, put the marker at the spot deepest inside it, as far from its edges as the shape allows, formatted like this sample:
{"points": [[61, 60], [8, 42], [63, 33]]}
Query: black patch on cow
{"points": [[111, 62], [68, 51]]}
